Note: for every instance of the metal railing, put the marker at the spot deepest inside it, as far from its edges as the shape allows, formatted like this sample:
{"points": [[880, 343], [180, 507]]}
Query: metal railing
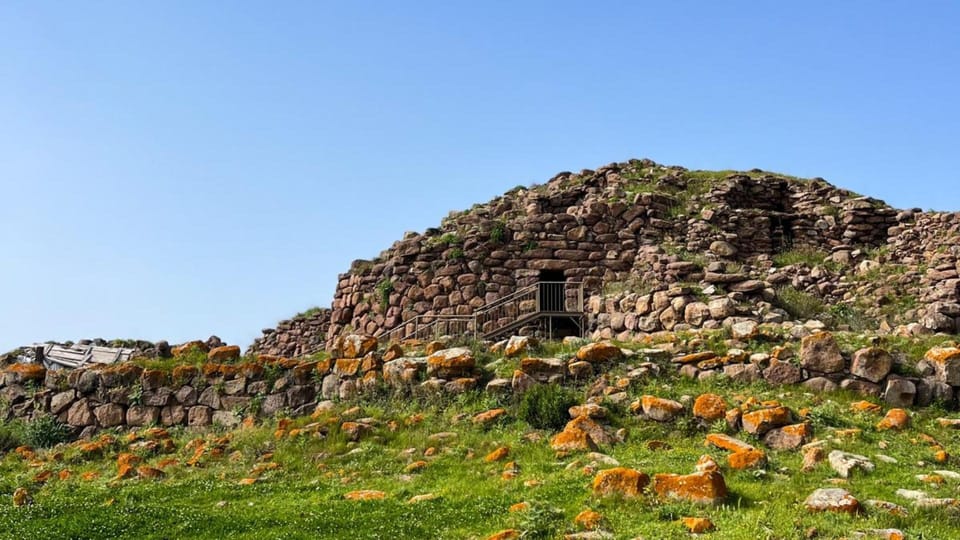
{"points": [[544, 297]]}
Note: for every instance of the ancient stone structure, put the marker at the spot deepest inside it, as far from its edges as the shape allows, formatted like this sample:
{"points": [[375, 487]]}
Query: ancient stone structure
{"points": [[299, 336], [656, 248]]}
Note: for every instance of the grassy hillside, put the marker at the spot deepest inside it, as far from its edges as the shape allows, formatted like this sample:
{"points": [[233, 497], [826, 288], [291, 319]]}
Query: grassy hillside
{"points": [[290, 478]]}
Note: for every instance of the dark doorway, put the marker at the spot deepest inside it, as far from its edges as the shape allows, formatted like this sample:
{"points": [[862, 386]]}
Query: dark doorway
{"points": [[781, 233], [552, 290]]}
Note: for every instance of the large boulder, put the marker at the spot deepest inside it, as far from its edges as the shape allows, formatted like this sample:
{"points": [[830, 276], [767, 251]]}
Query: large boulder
{"points": [[224, 353], [900, 392], [779, 372], [761, 421], [450, 363], [660, 409], [946, 364], [620, 481], [543, 369], [820, 352], [871, 363], [354, 346], [709, 407], [844, 462], [705, 487], [832, 500], [403, 371], [80, 414], [109, 415], [602, 351], [517, 345]]}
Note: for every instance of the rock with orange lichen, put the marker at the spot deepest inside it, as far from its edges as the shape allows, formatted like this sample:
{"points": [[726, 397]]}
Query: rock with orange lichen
{"points": [[355, 430], [946, 364], [697, 525], [659, 409], [451, 363], [506, 534], [433, 347], [706, 463], [365, 495], [895, 419], [392, 352], [747, 459], [832, 500], [763, 420], [415, 466], [591, 410], [124, 471], [517, 345], [599, 433], [588, 520], [347, 367], [511, 470], [152, 473], [42, 477], [865, 406], [497, 455], [695, 358], [421, 498], [168, 462], [354, 346], [572, 439], [709, 407], [620, 481], [522, 506], [819, 352], [127, 459], [707, 487], [602, 351], [727, 442], [186, 348], [184, 373], [488, 417], [788, 437], [21, 373]]}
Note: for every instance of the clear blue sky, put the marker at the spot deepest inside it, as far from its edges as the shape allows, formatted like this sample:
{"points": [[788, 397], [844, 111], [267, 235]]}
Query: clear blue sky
{"points": [[180, 169]]}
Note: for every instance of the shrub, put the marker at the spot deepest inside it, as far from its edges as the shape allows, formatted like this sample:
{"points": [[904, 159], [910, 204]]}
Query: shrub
{"points": [[384, 288], [45, 431], [799, 304], [544, 406], [9, 437], [541, 520], [498, 233]]}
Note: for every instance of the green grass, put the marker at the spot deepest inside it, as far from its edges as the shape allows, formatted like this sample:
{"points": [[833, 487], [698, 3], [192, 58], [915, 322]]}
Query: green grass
{"points": [[799, 304], [804, 256], [303, 498], [308, 313]]}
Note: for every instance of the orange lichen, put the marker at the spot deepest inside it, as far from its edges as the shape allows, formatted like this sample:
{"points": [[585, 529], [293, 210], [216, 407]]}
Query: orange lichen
{"points": [[620, 481]]}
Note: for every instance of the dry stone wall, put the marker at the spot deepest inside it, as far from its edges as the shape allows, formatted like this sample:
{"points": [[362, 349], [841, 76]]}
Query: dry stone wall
{"points": [[301, 336], [126, 395]]}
